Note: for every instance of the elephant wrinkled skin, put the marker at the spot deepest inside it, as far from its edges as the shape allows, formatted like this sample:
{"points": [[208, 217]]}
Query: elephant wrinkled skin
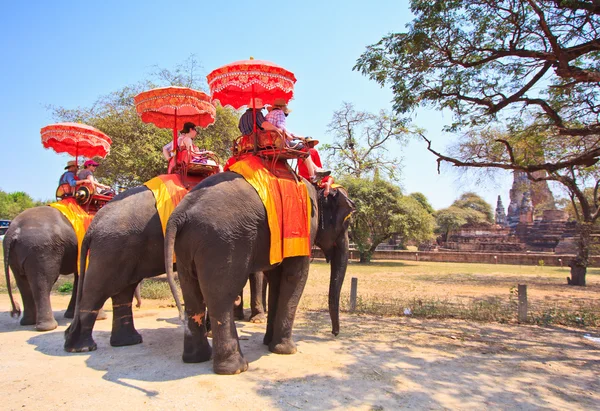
{"points": [[39, 246], [220, 234]]}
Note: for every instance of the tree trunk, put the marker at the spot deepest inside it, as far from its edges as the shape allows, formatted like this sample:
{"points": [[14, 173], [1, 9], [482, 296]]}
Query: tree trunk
{"points": [[581, 261], [365, 256]]}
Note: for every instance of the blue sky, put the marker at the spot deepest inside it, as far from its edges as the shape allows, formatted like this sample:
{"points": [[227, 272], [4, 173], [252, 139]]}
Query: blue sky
{"points": [[69, 53]]}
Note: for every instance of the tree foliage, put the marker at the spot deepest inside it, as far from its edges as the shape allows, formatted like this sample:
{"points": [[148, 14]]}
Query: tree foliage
{"points": [[12, 204], [474, 202], [136, 152], [420, 197], [521, 78], [359, 142], [381, 212]]}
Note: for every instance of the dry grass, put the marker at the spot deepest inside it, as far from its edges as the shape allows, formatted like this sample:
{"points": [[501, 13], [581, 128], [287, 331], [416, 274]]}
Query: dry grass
{"points": [[479, 292]]}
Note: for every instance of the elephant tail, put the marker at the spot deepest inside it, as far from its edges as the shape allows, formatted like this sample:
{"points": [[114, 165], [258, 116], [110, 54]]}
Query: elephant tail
{"points": [[170, 234], [7, 244], [83, 260]]}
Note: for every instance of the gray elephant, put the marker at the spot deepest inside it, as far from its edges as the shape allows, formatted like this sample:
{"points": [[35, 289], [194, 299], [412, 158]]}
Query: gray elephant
{"points": [[39, 246], [125, 242], [220, 234]]}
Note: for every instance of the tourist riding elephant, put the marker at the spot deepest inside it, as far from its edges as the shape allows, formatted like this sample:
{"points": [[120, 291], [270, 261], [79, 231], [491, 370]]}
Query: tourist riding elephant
{"points": [[220, 234], [39, 246]]}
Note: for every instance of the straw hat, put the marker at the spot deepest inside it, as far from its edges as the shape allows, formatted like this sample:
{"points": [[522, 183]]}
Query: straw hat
{"points": [[309, 140], [71, 163], [281, 104]]}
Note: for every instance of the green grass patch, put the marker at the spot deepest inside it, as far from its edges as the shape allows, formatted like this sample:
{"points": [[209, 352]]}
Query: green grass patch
{"points": [[66, 287], [157, 289]]}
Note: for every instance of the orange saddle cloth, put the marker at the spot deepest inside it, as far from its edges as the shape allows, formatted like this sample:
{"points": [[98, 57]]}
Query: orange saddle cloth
{"points": [[79, 219], [286, 202]]}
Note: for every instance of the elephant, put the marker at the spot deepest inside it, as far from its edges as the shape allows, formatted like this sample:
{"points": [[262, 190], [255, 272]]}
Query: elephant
{"points": [[40, 245], [125, 245], [125, 242], [220, 234]]}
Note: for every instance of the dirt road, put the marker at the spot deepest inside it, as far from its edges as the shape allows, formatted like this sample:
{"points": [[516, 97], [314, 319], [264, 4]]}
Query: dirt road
{"points": [[374, 364]]}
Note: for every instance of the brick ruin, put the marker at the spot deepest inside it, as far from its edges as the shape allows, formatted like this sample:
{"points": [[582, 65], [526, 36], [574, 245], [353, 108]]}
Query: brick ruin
{"points": [[519, 229]]}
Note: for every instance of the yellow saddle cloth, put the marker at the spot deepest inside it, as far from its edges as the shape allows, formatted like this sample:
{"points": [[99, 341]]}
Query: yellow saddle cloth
{"points": [[79, 219], [168, 191], [288, 208]]}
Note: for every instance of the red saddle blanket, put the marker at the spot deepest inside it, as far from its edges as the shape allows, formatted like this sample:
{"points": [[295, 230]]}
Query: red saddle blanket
{"points": [[287, 204]]}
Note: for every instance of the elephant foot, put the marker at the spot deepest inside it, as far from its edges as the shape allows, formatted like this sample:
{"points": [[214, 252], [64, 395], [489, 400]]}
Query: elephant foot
{"points": [[122, 339], [46, 325], [235, 364], [101, 315], [258, 318], [70, 313], [284, 347], [27, 320], [86, 345], [199, 354]]}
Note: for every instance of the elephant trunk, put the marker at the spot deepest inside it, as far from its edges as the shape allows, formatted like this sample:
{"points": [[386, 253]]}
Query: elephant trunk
{"points": [[339, 263]]}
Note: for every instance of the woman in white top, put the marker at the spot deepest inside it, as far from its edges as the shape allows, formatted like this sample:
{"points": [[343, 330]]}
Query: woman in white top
{"points": [[184, 141]]}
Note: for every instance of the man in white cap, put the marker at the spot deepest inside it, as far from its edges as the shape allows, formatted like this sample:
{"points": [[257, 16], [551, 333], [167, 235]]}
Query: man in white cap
{"points": [[246, 124]]}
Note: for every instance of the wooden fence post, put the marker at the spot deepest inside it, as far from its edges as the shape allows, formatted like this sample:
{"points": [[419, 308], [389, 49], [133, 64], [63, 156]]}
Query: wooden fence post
{"points": [[353, 292], [522, 289]]}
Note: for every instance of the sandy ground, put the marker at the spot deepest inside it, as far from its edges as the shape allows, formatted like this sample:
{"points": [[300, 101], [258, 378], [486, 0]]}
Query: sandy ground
{"points": [[374, 364]]}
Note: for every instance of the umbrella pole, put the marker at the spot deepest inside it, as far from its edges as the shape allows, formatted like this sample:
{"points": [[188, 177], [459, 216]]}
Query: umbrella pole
{"points": [[175, 145], [254, 122], [77, 154]]}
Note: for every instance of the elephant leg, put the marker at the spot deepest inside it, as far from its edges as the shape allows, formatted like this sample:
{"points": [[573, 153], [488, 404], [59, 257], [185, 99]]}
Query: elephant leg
{"points": [[40, 288], [78, 337], [258, 295], [29, 311], [195, 342], [274, 277], [224, 283], [294, 273], [70, 313], [227, 354], [123, 330]]}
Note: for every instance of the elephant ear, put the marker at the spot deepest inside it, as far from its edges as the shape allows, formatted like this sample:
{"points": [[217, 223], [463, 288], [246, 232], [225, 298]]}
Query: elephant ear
{"points": [[345, 208], [334, 218]]}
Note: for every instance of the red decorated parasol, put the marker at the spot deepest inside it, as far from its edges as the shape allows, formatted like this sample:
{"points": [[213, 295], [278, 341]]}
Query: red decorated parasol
{"points": [[172, 107], [241, 82], [236, 83], [76, 139]]}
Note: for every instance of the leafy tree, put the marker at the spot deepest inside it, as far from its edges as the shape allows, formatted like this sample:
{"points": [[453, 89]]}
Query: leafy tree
{"points": [[452, 218], [359, 142], [474, 202], [420, 197], [136, 152], [12, 204], [521, 78], [381, 212]]}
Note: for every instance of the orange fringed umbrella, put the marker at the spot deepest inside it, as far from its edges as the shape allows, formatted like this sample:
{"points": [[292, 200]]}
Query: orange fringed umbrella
{"points": [[76, 139], [172, 107], [235, 84]]}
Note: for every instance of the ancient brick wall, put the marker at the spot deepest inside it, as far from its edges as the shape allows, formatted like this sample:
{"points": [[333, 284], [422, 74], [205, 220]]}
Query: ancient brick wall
{"points": [[470, 257]]}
